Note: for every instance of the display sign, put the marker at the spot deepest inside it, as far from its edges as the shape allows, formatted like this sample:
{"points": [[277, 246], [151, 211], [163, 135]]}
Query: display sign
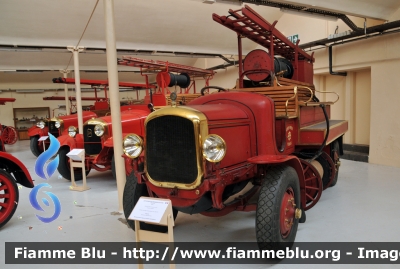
{"points": [[43, 138], [149, 209], [76, 154]]}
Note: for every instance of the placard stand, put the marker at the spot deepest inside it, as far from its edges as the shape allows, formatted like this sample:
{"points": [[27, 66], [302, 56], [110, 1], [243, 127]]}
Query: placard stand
{"points": [[43, 138], [77, 159], [155, 211]]}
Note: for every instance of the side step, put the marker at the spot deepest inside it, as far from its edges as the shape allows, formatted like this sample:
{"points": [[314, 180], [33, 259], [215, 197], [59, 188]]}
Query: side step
{"points": [[355, 152]]}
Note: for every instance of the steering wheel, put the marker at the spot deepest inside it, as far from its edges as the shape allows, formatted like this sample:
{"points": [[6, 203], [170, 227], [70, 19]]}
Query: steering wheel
{"points": [[220, 89]]}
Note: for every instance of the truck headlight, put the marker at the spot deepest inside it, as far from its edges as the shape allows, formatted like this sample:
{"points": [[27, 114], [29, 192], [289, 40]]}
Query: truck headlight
{"points": [[214, 148], [99, 130], [132, 145], [41, 124], [57, 124], [72, 131]]}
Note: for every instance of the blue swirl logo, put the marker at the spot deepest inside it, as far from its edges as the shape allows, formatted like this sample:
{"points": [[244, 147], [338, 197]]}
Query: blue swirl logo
{"points": [[35, 203], [51, 167], [46, 156]]}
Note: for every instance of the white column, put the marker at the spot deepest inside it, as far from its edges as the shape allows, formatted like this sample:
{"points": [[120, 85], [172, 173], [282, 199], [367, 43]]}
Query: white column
{"points": [[75, 52], [114, 97], [67, 108]]}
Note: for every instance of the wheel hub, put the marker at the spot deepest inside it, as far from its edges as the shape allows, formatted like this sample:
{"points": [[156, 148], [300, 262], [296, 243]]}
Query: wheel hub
{"points": [[288, 212], [7, 198]]}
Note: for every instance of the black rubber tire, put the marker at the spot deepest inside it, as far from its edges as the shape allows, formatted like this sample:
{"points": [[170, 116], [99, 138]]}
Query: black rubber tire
{"points": [[277, 180], [35, 146], [64, 168], [14, 188], [335, 148], [132, 192], [114, 173]]}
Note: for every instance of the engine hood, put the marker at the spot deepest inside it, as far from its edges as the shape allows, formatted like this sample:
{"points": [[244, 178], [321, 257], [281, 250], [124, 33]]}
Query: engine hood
{"points": [[131, 120]]}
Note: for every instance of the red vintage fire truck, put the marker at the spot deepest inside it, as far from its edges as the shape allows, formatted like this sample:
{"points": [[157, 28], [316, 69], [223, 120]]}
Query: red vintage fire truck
{"points": [[268, 145], [12, 171], [97, 132], [58, 125]]}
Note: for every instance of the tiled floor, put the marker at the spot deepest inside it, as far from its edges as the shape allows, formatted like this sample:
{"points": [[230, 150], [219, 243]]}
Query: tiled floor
{"points": [[362, 207]]}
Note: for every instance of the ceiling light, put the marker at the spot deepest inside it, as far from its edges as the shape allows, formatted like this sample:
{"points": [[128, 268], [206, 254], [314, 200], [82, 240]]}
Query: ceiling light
{"points": [[230, 2], [89, 89], [309, 14], [155, 53], [29, 91]]}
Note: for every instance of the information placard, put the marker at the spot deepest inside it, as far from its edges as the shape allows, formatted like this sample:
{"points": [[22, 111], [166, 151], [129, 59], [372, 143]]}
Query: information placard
{"points": [[149, 209], [43, 138], [76, 154]]}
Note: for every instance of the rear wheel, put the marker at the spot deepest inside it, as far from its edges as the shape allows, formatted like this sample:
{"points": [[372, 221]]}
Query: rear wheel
{"points": [[64, 168], [132, 192], [278, 209], [335, 155], [8, 197], [35, 148]]}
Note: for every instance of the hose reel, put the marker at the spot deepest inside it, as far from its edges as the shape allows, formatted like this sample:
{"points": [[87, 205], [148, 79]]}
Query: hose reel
{"points": [[260, 60], [165, 79]]}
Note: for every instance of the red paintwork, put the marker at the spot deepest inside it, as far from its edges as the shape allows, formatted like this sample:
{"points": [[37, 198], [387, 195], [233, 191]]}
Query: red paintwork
{"points": [[3, 101], [16, 166], [287, 210]]}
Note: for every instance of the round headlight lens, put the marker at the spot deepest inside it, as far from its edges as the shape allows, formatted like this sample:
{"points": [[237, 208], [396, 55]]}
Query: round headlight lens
{"points": [[72, 131], [132, 145], [99, 130], [214, 148], [57, 124], [41, 124]]}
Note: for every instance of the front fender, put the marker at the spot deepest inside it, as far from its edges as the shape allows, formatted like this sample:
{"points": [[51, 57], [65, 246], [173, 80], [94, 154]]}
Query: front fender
{"points": [[109, 142], [71, 142], [34, 131], [290, 160], [17, 168]]}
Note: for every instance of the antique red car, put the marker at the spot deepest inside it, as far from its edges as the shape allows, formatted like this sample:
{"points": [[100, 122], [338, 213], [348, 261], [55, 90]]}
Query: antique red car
{"points": [[58, 125], [12, 171], [268, 145]]}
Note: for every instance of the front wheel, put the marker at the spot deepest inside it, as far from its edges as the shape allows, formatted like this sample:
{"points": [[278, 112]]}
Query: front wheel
{"points": [[35, 147], [132, 192], [64, 168], [8, 197], [277, 214]]}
